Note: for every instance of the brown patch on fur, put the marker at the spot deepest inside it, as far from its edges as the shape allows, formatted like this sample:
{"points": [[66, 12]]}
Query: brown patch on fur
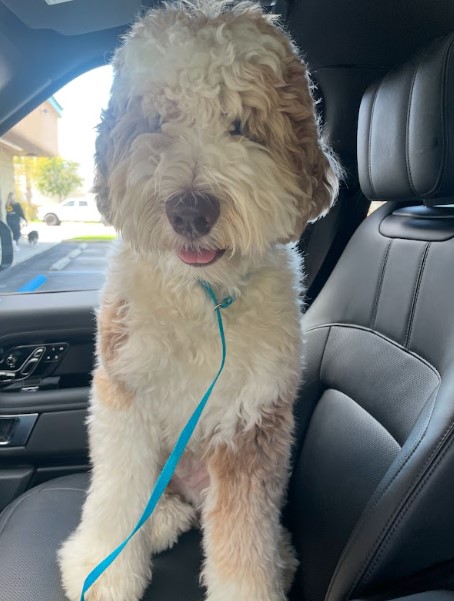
{"points": [[112, 333], [242, 510], [110, 391], [115, 136], [296, 128], [288, 122], [311, 158]]}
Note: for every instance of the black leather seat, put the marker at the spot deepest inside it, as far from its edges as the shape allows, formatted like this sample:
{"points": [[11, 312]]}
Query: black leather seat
{"points": [[371, 499]]}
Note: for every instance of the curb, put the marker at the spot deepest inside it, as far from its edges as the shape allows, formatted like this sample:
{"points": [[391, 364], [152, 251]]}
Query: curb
{"points": [[26, 256], [65, 261]]}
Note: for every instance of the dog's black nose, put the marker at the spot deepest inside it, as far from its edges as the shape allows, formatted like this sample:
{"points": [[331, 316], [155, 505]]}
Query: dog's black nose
{"points": [[192, 215]]}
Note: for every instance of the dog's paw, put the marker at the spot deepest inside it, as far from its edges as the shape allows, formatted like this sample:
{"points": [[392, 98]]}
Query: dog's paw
{"points": [[79, 555], [104, 590], [259, 586], [173, 517]]}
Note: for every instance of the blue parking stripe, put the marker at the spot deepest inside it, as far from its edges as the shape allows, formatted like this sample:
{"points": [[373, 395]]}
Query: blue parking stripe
{"points": [[33, 284]]}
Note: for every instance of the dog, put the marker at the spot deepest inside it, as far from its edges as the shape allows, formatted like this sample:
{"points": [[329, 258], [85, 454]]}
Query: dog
{"points": [[209, 163], [33, 237]]}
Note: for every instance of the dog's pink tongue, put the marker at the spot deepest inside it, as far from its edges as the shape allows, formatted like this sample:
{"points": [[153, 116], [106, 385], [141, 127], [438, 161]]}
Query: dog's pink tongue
{"points": [[197, 257]]}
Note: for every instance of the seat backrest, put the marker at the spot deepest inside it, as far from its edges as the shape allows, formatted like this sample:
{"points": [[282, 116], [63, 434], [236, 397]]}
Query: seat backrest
{"points": [[372, 494]]}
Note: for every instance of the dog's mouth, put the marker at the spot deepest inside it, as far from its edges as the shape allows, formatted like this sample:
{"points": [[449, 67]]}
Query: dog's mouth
{"points": [[201, 257]]}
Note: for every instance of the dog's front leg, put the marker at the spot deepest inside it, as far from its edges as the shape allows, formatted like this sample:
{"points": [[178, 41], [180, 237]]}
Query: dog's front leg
{"points": [[125, 454], [242, 533]]}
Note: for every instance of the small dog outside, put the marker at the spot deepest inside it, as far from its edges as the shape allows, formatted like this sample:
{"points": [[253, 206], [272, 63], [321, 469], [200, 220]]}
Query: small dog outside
{"points": [[209, 163], [33, 237]]}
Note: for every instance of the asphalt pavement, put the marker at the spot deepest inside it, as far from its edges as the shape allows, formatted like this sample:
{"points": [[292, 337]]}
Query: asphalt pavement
{"points": [[68, 265], [28, 251]]}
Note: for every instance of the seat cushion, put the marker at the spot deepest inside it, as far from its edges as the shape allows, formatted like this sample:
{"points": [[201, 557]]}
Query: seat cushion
{"points": [[34, 526]]}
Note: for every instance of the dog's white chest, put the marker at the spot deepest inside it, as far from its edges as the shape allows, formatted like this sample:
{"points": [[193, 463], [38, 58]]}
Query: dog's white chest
{"points": [[172, 352]]}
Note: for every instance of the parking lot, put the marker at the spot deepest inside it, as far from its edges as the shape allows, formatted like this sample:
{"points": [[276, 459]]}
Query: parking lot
{"points": [[68, 257]]}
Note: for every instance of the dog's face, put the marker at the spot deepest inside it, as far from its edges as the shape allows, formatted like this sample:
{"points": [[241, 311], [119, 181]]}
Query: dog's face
{"points": [[209, 151]]}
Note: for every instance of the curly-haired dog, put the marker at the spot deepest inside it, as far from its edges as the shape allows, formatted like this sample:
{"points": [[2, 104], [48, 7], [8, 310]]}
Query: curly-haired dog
{"points": [[209, 160]]}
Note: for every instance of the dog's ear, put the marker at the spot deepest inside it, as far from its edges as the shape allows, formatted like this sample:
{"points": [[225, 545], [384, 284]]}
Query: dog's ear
{"points": [[315, 164], [121, 123], [103, 160]]}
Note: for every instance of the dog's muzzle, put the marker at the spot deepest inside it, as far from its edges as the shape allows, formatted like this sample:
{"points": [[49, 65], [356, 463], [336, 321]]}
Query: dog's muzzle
{"points": [[192, 215]]}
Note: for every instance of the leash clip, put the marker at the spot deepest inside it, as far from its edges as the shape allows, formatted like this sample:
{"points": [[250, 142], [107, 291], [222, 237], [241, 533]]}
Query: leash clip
{"points": [[226, 302]]}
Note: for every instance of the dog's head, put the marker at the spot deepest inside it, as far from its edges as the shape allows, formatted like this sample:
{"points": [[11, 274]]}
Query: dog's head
{"points": [[209, 151]]}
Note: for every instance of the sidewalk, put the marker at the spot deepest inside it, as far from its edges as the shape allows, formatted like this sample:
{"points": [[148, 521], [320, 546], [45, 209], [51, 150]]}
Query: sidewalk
{"points": [[27, 252], [52, 236]]}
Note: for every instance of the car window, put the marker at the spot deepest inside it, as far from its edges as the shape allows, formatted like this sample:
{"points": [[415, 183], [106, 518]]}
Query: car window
{"points": [[46, 171], [374, 205]]}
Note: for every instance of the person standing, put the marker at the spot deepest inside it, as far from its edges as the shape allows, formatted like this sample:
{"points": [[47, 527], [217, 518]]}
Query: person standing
{"points": [[14, 217]]}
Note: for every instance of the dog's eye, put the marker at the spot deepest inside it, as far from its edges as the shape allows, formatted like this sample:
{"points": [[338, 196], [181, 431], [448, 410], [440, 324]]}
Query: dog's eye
{"points": [[236, 128], [157, 126]]}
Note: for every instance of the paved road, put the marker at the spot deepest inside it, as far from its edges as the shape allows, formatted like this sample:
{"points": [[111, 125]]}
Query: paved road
{"points": [[82, 272]]}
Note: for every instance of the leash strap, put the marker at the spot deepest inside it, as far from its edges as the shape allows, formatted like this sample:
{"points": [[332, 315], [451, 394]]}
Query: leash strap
{"points": [[169, 468]]}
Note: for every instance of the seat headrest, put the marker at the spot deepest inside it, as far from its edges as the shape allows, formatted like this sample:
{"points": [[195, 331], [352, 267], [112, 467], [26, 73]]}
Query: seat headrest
{"points": [[406, 130]]}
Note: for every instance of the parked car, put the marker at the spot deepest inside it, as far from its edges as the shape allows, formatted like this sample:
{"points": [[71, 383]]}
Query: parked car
{"points": [[72, 209]]}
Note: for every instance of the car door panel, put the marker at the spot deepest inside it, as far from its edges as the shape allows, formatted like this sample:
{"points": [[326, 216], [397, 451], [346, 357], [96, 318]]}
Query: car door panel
{"points": [[53, 406]]}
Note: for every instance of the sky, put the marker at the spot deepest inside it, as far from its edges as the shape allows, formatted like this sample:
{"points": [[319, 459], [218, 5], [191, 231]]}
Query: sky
{"points": [[82, 101]]}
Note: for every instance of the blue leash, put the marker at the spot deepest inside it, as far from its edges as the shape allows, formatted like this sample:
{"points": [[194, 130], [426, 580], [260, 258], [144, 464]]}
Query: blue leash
{"points": [[169, 468]]}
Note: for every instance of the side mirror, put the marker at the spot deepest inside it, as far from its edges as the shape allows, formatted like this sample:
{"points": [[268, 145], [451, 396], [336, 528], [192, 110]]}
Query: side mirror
{"points": [[6, 246]]}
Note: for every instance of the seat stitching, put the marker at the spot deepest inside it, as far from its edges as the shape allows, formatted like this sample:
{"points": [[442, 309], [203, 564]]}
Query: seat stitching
{"points": [[63, 489], [328, 384], [9, 511], [443, 113], [380, 335], [393, 517], [369, 162], [407, 137], [404, 508], [380, 283], [411, 451], [443, 120], [323, 355], [367, 412], [414, 301]]}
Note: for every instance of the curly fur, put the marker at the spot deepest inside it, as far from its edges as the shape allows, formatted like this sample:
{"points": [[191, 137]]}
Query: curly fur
{"points": [[213, 99]]}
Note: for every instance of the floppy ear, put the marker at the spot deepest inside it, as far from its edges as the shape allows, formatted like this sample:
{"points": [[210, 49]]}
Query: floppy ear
{"points": [[103, 160], [315, 164], [121, 123]]}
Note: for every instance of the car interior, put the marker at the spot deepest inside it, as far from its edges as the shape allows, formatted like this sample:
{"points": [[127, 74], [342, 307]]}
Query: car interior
{"points": [[370, 503]]}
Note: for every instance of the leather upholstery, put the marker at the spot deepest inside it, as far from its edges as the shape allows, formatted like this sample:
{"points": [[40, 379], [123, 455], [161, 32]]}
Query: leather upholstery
{"points": [[440, 595], [34, 526], [406, 130], [371, 497]]}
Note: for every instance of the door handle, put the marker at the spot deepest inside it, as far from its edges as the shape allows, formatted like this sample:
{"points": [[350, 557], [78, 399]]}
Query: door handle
{"points": [[15, 430]]}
